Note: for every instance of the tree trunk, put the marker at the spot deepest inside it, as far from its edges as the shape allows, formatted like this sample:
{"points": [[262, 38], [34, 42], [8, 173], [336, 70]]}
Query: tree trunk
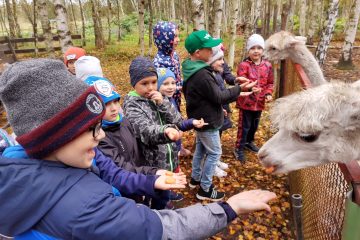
{"points": [[217, 12], [313, 21], [150, 25], [10, 16], [3, 25], [302, 18], [17, 26], [290, 16], [225, 17], [27, 11], [172, 10], [320, 53], [134, 5], [141, 8], [233, 22], [275, 16], [98, 31], [82, 24], [108, 18], [62, 25], [198, 14], [35, 27], [118, 9], [46, 28], [255, 15], [73, 15], [267, 19], [350, 34]]}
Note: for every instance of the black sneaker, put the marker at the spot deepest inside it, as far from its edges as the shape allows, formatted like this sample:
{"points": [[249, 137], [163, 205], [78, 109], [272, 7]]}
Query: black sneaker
{"points": [[193, 183], [239, 155], [176, 196], [252, 147], [212, 194]]}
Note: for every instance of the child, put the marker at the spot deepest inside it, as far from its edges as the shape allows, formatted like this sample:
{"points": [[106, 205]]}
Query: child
{"points": [[71, 56], [204, 99], [50, 178], [87, 66], [166, 39], [255, 69]]}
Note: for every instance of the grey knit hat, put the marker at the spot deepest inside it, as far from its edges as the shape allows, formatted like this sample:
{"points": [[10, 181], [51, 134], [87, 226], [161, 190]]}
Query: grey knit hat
{"points": [[46, 105], [141, 68]]}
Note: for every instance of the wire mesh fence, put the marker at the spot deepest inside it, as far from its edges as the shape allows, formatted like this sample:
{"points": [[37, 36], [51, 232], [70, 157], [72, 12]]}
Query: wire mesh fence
{"points": [[323, 188]]}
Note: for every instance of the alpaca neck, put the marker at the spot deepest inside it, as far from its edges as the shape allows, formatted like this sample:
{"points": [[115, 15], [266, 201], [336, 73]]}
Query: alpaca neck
{"points": [[306, 59]]}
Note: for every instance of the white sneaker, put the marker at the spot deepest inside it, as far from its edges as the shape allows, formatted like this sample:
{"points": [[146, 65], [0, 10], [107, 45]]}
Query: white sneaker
{"points": [[219, 173], [222, 165]]}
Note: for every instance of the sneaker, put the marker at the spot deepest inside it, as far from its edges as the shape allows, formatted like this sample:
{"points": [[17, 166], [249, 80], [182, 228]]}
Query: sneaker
{"points": [[176, 196], [219, 172], [193, 183], [239, 155], [222, 165], [252, 147], [212, 194]]}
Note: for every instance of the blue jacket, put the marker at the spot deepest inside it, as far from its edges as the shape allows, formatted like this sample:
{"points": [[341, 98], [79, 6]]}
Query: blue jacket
{"points": [[72, 203]]}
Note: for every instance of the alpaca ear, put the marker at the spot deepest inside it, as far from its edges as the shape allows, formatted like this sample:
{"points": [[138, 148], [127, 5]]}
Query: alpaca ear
{"points": [[301, 39], [293, 41]]}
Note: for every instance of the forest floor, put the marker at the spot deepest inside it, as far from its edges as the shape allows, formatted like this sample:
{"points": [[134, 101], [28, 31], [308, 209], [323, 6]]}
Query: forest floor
{"points": [[251, 175]]}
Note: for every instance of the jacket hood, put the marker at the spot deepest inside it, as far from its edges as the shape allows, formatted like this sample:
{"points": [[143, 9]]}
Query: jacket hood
{"points": [[190, 67], [164, 34], [24, 198]]}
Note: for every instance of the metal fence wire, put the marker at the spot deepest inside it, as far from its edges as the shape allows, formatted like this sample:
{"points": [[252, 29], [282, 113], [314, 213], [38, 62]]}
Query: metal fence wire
{"points": [[323, 188]]}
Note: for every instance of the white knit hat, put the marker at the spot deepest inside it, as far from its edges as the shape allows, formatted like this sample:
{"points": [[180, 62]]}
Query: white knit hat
{"points": [[217, 53], [87, 66], [255, 40]]}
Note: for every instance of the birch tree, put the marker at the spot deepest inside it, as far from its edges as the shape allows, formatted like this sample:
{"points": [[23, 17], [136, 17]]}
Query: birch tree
{"points": [[350, 34], [26, 7], [172, 10], [233, 21], [62, 25], [314, 19], [141, 8], [217, 12], [197, 15], [73, 14], [290, 16], [82, 24], [10, 17], [17, 26], [118, 10], [109, 19], [45, 25], [302, 19], [98, 30], [326, 35]]}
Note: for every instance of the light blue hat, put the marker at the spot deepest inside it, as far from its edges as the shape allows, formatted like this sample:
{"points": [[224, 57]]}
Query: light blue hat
{"points": [[163, 74], [104, 87]]}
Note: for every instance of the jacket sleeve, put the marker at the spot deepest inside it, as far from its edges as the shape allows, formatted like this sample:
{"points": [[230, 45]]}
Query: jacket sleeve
{"points": [[242, 70], [144, 129], [270, 81], [169, 113], [126, 182], [186, 124], [112, 152], [193, 222], [227, 75]]}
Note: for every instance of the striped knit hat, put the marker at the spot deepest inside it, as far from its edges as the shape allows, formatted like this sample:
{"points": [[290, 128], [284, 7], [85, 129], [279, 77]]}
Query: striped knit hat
{"points": [[47, 106]]}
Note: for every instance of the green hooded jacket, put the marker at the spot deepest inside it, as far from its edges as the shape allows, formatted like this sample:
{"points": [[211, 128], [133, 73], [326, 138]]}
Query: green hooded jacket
{"points": [[190, 67]]}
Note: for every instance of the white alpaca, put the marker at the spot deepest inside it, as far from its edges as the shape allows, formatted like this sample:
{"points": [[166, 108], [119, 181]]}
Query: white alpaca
{"points": [[316, 126], [282, 45]]}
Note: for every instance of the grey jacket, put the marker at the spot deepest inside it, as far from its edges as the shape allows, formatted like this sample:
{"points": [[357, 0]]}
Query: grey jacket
{"points": [[149, 122]]}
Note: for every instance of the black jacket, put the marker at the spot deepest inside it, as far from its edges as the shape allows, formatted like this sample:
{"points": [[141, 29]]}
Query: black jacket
{"points": [[121, 145], [204, 98]]}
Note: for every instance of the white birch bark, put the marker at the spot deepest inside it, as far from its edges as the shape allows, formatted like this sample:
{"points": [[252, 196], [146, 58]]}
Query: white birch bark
{"points": [[141, 7], [290, 16], [320, 53], [217, 11], [350, 34], [197, 15], [62, 25], [302, 19], [313, 21], [45, 25], [233, 21], [172, 10]]}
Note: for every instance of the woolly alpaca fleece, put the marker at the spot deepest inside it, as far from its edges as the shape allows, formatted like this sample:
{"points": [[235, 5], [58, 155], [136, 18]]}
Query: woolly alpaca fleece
{"points": [[282, 45], [316, 126]]}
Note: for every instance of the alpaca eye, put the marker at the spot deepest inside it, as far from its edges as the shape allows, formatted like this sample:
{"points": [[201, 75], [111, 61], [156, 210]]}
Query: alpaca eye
{"points": [[273, 48], [308, 137]]}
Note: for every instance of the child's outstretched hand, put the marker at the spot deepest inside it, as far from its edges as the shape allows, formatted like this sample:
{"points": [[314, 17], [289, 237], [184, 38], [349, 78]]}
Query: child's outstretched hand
{"points": [[241, 80], [170, 180], [246, 88], [268, 98], [156, 97], [199, 123], [250, 201], [173, 134]]}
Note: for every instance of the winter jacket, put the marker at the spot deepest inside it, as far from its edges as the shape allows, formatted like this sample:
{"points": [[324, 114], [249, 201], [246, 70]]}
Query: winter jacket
{"points": [[120, 144], [149, 122], [264, 75], [204, 98], [166, 57], [73, 203], [227, 121]]}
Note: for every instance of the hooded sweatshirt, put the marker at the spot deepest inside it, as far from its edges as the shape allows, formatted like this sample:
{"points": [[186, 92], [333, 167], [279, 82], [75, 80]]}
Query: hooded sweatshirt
{"points": [[204, 98], [166, 57]]}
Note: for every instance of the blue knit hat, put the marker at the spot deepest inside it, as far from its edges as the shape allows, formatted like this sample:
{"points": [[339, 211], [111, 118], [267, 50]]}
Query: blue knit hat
{"points": [[141, 68], [103, 87], [163, 74]]}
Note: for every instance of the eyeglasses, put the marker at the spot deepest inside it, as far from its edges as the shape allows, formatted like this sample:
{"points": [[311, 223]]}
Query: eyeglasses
{"points": [[96, 129]]}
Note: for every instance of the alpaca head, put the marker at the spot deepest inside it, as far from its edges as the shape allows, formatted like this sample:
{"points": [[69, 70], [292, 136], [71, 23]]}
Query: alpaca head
{"points": [[280, 45], [316, 126]]}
